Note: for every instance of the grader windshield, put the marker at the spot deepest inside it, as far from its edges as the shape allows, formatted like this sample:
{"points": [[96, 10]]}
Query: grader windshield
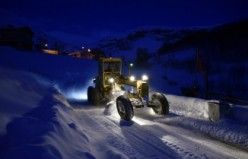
{"points": [[109, 69], [112, 67]]}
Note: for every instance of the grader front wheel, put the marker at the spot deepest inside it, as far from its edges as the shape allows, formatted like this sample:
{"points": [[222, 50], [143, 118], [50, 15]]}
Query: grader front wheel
{"points": [[124, 108], [161, 104], [94, 96]]}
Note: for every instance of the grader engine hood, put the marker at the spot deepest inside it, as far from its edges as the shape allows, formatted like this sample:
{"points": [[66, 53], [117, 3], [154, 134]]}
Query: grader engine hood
{"points": [[140, 85], [142, 88]]}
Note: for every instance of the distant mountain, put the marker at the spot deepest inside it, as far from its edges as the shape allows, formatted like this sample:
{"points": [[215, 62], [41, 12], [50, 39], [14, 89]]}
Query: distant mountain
{"points": [[151, 39], [219, 41], [223, 42]]}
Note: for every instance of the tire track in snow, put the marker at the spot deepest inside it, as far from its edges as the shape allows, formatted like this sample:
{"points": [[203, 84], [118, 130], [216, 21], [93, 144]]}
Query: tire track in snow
{"points": [[117, 135], [132, 139], [154, 140], [193, 144], [184, 153], [152, 146], [107, 138]]}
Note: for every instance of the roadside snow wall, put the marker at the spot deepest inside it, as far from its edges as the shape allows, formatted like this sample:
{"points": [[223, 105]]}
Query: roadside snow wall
{"points": [[194, 107]]}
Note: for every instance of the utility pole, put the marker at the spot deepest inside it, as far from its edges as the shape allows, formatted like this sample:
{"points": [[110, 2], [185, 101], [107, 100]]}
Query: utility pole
{"points": [[203, 70]]}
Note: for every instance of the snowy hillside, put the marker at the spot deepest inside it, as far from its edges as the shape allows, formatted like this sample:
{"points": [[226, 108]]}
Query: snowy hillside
{"points": [[44, 114], [221, 51], [145, 38]]}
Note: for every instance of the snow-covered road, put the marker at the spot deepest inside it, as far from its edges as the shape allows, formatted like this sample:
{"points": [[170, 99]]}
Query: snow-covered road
{"points": [[147, 137]]}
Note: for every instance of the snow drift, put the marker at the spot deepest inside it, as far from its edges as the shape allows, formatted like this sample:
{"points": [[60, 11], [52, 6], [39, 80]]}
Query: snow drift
{"points": [[37, 121]]}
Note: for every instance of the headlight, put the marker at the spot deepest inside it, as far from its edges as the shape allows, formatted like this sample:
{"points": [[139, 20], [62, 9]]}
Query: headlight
{"points": [[145, 77], [132, 78], [111, 80]]}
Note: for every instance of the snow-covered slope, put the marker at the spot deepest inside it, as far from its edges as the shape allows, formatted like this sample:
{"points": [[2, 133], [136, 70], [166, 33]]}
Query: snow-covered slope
{"points": [[39, 119], [192, 58], [150, 39], [20, 93], [36, 121]]}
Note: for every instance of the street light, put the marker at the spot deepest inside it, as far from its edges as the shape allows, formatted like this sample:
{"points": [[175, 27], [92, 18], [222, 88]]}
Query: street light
{"points": [[130, 68]]}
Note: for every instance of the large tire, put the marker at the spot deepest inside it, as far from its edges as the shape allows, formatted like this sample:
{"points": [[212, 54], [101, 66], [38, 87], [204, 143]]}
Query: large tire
{"points": [[124, 108], [96, 97], [162, 105], [90, 94]]}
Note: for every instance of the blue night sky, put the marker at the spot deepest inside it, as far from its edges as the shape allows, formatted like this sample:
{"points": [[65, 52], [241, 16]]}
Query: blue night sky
{"points": [[85, 21]]}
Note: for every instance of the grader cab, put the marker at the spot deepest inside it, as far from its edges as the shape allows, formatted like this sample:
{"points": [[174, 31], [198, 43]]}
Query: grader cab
{"points": [[110, 84]]}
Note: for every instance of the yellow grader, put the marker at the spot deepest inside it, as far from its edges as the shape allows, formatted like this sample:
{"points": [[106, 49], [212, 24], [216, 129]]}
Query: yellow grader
{"points": [[110, 84]]}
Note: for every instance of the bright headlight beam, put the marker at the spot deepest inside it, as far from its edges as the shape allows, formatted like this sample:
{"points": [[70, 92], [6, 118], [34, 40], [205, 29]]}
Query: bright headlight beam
{"points": [[76, 93], [131, 78], [111, 80], [145, 77]]}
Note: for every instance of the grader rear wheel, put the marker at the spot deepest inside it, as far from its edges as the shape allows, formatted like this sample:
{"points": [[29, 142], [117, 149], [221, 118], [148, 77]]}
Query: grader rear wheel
{"points": [[96, 97], [90, 94]]}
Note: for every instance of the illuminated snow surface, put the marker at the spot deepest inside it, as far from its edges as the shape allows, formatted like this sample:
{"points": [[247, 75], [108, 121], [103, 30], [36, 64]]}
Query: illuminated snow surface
{"points": [[44, 115]]}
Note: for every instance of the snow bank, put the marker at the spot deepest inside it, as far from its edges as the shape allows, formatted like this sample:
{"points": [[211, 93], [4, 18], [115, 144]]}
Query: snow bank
{"points": [[226, 130], [230, 124], [20, 93], [206, 109], [194, 107], [48, 131], [36, 121], [68, 136]]}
